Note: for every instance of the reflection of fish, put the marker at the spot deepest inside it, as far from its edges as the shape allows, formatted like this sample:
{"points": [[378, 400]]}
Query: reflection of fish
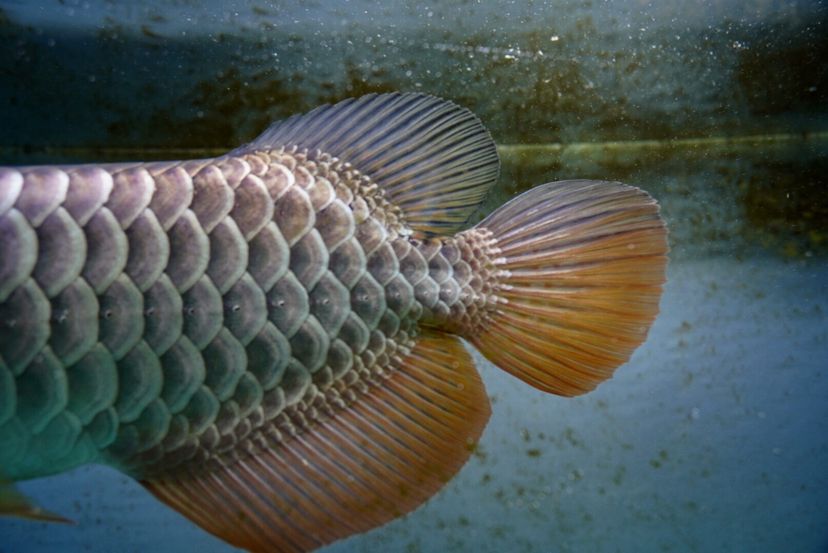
{"points": [[267, 340]]}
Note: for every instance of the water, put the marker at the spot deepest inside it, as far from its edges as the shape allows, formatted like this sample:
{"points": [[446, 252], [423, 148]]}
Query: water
{"points": [[712, 437]]}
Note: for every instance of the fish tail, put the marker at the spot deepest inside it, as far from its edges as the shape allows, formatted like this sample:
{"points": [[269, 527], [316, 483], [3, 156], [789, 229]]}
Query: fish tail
{"points": [[571, 279]]}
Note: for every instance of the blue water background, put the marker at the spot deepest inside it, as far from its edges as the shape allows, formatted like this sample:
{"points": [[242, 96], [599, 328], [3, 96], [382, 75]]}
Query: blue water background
{"points": [[714, 437]]}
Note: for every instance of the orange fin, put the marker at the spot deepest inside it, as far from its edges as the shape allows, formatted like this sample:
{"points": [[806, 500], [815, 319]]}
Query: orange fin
{"points": [[15, 504], [382, 456], [579, 267]]}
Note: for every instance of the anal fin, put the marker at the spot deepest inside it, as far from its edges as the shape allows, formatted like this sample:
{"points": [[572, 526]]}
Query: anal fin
{"points": [[15, 504], [370, 462]]}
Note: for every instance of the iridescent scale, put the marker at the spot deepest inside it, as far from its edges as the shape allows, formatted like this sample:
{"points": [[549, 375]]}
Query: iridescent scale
{"points": [[172, 310]]}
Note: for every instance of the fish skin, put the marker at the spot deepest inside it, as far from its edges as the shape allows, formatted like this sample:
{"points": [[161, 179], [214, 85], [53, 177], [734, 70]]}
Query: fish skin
{"points": [[164, 406], [266, 339]]}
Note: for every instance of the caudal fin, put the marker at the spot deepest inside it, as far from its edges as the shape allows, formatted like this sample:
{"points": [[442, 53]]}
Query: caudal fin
{"points": [[579, 268]]}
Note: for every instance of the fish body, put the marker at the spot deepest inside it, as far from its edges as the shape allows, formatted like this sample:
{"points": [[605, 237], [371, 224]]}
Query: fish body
{"points": [[268, 340]]}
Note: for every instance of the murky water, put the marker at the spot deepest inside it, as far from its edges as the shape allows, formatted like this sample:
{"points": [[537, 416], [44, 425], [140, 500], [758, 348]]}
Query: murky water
{"points": [[712, 437]]}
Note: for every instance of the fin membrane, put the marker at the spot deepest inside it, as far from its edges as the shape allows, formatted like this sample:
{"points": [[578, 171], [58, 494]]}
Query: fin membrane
{"points": [[15, 504], [371, 462], [580, 270], [434, 159]]}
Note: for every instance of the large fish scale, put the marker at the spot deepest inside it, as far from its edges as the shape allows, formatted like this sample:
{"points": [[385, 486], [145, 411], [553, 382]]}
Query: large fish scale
{"points": [[174, 309], [265, 339]]}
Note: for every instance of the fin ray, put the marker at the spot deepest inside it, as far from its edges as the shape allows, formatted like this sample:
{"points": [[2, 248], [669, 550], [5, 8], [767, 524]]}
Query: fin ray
{"points": [[15, 504], [380, 457], [580, 265], [433, 159]]}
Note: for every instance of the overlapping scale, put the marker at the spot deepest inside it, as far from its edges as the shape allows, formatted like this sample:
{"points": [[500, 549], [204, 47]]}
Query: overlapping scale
{"points": [[11, 184], [132, 190], [18, 250], [228, 255], [189, 251], [44, 190], [140, 380], [310, 345], [121, 324], [309, 259], [188, 307], [184, 372], [74, 322], [268, 256], [245, 309], [173, 194], [163, 315], [330, 303], [89, 189], [225, 360], [212, 197], [253, 208], [61, 252], [42, 391], [288, 305], [149, 250], [268, 355], [93, 384], [25, 318]]}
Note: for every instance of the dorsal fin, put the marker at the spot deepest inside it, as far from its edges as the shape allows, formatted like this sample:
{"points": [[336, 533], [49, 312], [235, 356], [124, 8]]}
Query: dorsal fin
{"points": [[433, 158]]}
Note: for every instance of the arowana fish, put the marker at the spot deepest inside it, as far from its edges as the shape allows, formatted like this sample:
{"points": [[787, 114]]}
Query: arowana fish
{"points": [[269, 340]]}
